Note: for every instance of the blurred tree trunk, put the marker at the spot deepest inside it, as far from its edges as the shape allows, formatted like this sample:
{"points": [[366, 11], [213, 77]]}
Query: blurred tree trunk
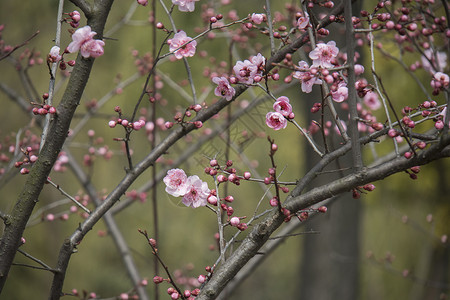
{"points": [[330, 259], [437, 273]]}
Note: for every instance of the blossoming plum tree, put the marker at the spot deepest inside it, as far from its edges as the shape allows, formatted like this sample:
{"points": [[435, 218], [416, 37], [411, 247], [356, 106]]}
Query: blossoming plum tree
{"points": [[283, 50]]}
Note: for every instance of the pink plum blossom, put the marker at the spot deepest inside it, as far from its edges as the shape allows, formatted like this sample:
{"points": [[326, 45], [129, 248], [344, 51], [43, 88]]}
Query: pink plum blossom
{"points": [[257, 18], [245, 71], [307, 79], [439, 60], [197, 192], [282, 106], [83, 41], [303, 21], [179, 40], [341, 92], [185, 5], [276, 120], [371, 100], [223, 89], [323, 54], [259, 61], [440, 80], [176, 182], [54, 54]]}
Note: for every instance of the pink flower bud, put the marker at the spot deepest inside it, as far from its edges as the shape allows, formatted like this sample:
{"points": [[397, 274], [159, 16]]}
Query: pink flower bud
{"points": [[201, 278], [212, 200], [234, 221], [322, 209], [157, 279], [222, 178], [369, 187], [112, 124], [247, 175], [273, 202]]}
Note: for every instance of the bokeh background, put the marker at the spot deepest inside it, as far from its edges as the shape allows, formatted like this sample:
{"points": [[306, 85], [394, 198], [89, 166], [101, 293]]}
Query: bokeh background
{"points": [[391, 239]]}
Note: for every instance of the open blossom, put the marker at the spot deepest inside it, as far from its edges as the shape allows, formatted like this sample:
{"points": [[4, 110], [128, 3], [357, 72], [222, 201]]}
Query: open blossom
{"points": [[282, 106], [323, 54], [276, 120], [439, 60], [54, 54], [303, 21], [178, 40], [245, 71], [223, 89], [185, 5], [340, 93], [371, 100], [83, 41], [307, 79], [257, 18], [176, 182], [260, 62], [197, 192]]}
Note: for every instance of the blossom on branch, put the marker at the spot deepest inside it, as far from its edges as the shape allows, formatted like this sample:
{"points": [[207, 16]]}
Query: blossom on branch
{"points": [[185, 45], [54, 56], [371, 100], [282, 106], [323, 54], [194, 191], [303, 21], [340, 93], [185, 5], [306, 77], [175, 181], [223, 89], [83, 40], [197, 192], [248, 71], [276, 120]]}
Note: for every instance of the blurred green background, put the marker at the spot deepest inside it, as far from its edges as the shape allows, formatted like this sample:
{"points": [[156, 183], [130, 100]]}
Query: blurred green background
{"points": [[393, 224]]}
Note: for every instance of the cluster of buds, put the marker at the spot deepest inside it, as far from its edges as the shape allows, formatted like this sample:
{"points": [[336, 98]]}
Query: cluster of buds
{"points": [[356, 192], [73, 19], [43, 109], [27, 160], [136, 125], [179, 117]]}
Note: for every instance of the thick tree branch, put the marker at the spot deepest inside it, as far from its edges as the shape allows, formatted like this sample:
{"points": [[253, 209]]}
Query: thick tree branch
{"points": [[15, 224], [261, 233]]}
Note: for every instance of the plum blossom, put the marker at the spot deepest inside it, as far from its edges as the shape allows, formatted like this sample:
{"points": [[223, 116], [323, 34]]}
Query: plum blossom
{"points": [[323, 54], [54, 56], [245, 71], [340, 93], [179, 40], [439, 60], [223, 89], [197, 192], [303, 21], [371, 100], [306, 78], [440, 81], [259, 61], [185, 5], [83, 41], [276, 120], [257, 18], [282, 106], [142, 2], [176, 182]]}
